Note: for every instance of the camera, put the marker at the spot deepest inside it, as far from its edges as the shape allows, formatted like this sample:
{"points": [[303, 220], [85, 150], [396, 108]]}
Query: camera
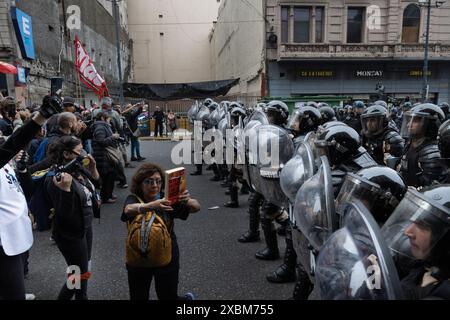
{"points": [[72, 166]]}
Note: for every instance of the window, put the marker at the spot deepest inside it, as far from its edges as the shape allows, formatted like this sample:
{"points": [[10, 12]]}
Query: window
{"points": [[411, 24], [301, 24], [284, 24], [355, 22], [319, 23]]}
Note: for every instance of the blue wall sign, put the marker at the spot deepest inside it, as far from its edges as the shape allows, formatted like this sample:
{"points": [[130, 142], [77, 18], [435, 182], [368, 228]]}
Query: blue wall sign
{"points": [[24, 32], [21, 76]]}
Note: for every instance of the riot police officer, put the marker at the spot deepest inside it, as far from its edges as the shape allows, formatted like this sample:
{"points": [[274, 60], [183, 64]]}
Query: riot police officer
{"points": [[342, 146], [379, 135], [354, 118], [444, 139], [418, 233], [237, 115], [303, 120], [446, 109], [379, 188], [277, 114], [421, 165], [327, 114]]}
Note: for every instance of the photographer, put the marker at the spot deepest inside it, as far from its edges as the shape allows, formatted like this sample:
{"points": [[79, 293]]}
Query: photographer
{"points": [[72, 195], [16, 235], [131, 114]]}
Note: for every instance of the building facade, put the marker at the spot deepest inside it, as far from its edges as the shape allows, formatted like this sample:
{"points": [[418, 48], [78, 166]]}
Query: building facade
{"points": [[238, 46], [51, 27], [171, 39], [351, 47]]}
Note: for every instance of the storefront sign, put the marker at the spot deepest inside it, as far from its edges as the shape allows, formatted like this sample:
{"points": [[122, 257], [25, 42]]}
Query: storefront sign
{"points": [[316, 73], [21, 76], [24, 32], [417, 73], [369, 73]]}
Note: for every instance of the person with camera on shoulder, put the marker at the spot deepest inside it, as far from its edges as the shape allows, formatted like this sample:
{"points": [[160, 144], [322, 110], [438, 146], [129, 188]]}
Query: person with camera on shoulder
{"points": [[71, 191]]}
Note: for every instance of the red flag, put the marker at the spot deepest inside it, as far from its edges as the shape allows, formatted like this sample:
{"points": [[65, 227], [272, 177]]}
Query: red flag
{"points": [[86, 69]]}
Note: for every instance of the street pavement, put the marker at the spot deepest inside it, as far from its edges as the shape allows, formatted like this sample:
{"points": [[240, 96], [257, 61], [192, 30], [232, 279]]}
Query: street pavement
{"points": [[214, 265]]}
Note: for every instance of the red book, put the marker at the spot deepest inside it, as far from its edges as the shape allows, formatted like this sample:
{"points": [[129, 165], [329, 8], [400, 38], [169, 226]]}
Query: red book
{"points": [[175, 184]]}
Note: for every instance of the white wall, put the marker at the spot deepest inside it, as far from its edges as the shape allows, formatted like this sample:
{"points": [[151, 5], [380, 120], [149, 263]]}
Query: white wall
{"points": [[182, 53], [237, 45]]}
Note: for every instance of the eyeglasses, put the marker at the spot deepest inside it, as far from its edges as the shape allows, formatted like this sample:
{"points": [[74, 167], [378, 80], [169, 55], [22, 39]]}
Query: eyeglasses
{"points": [[151, 182]]}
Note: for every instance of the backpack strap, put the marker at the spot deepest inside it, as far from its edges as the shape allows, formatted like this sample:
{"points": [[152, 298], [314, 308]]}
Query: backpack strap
{"points": [[145, 232]]}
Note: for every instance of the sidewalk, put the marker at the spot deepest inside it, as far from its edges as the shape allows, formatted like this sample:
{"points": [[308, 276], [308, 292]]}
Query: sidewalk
{"points": [[180, 135]]}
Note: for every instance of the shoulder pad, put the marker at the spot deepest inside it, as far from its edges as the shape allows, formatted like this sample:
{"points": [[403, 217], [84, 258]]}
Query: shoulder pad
{"points": [[364, 160], [392, 137], [429, 152], [392, 126]]}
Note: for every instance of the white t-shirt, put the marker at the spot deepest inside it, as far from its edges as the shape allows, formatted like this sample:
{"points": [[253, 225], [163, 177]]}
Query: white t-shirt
{"points": [[16, 234]]}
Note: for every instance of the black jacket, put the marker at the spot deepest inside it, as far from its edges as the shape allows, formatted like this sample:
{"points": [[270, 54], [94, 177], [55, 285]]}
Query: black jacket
{"points": [[422, 166], [132, 118], [102, 138], [73, 210], [158, 116], [18, 141]]}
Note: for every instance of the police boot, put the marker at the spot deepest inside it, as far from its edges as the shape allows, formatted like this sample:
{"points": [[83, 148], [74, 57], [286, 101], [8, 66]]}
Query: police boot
{"points": [[285, 272], [226, 183], [281, 231], [271, 252], [198, 170], [252, 235], [216, 173], [234, 203], [303, 286], [245, 189]]}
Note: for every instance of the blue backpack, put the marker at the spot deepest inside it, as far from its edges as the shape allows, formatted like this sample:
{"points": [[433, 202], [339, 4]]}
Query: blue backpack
{"points": [[40, 152]]}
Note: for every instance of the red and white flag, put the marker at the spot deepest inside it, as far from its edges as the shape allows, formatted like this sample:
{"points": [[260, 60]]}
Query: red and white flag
{"points": [[86, 69]]}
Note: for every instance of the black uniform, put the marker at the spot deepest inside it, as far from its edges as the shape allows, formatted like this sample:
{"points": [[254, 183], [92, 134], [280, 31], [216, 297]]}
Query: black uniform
{"points": [[389, 139], [422, 165]]}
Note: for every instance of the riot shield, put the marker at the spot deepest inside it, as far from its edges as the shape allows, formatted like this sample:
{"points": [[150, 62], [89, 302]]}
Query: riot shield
{"points": [[296, 171], [260, 116], [223, 126], [314, 206], [238, 144], [310, 138], [192, 113], [203, 115], [249, 140], [275, 149], [214, 118], [355, 263]]}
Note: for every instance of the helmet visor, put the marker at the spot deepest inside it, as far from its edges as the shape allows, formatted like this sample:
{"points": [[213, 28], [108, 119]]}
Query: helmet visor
{"points": [[294, 121], [414, 125], [372, 125], [357, 188], [414, 228]]}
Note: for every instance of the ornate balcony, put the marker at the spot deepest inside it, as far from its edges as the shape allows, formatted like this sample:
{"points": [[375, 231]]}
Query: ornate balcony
{"points": [[317, 51]]}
